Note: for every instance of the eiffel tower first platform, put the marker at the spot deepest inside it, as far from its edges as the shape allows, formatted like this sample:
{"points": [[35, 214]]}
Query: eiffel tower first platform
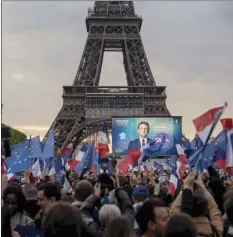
{"points": [[111, 26]]}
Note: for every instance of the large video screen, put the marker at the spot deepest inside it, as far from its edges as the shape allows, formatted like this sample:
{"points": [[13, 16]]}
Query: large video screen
{"points": [[134, 132]]}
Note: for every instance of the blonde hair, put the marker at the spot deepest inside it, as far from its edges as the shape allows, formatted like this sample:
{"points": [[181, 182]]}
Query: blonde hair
{"points": [[107, 213]]}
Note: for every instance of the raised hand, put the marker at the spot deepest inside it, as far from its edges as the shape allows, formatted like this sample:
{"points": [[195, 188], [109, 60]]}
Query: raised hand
{"points": [[97, 189]]}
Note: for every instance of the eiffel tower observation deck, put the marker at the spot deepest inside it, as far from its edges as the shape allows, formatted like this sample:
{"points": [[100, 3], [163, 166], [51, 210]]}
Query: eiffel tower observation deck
{"points": [[111, 26]]}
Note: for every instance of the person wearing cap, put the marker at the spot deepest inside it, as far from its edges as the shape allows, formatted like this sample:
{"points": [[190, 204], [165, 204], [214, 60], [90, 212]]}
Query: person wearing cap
{"points": [[140, 195]]}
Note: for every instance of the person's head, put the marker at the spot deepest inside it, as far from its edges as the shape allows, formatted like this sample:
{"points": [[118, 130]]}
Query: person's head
{"points": [[66, 198], [47, 194], [228, 205], [14, 198], [140, 194], [106, 183], [143, 129], [30, 192], [119, 227], [152, 216], [82, 190], [107, 213], [180, 225], [61, 219]]}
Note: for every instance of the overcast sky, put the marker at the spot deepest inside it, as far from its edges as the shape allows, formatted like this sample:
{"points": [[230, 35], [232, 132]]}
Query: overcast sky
{"points": [[189, 46]]}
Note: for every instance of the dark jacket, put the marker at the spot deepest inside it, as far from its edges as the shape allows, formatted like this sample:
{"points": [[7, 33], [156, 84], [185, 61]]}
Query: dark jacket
{"points": [[229, 232], [87, 209], [6, 222], [31, 208]]}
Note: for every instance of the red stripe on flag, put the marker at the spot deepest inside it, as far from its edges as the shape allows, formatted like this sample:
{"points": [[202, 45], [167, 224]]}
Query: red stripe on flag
{"points": [[134, 154], [172, 188], [123, 166], [227, 123], [103, 150], [220, 163], [63, 152], [206, 119], [229, 170], [72, 164]]}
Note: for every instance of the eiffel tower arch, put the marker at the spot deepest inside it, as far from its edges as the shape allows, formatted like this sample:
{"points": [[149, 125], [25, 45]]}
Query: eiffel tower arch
{"points": [[111, 26]]}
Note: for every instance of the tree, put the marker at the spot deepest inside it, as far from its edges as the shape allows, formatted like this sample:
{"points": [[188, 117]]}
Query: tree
{"points": [[17, 137]]}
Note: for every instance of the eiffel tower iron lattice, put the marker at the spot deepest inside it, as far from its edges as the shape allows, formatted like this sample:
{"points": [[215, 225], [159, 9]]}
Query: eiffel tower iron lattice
{"points": [[111, 26]]}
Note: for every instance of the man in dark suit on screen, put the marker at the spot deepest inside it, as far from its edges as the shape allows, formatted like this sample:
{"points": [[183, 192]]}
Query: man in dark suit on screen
{"points": [[143, 131]]}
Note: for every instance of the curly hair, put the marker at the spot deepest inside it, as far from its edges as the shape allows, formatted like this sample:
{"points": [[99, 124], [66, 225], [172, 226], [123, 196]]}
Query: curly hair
{"points": [[16, 189]]}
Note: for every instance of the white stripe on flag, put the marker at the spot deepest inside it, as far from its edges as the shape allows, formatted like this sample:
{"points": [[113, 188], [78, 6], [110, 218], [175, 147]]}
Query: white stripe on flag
{"points": [[229, 151]]}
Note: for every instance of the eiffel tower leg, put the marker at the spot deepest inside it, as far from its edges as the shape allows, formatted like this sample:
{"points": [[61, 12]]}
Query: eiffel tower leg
{"points": [[137, 64], [71, 119], [89, 70]]}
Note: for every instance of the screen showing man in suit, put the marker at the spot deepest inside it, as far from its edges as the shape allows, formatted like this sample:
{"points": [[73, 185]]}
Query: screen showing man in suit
{"points": [[135, 132], [143, 139]]}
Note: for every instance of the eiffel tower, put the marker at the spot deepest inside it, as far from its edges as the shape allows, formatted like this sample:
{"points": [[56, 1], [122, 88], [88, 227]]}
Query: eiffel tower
{"points": [[111, 26]]}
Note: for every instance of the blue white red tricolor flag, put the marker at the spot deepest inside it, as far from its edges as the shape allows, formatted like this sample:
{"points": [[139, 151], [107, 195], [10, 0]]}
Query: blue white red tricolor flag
{"points": [[12, 177], [181, 154], [138, 154], [102, 146], [227, 123], [206, 123], [174, 178]]}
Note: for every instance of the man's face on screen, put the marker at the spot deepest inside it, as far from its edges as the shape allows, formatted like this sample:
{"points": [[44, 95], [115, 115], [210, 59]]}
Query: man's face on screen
{"points": [[143, 130]]}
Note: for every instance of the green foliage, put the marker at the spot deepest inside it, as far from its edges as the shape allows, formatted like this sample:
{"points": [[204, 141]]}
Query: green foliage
{"points": [[17, 137]]}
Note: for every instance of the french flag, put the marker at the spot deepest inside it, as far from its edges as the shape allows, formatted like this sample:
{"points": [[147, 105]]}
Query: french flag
{"points": [[123, 166], [12, 177], [66, 152], [206, 123], [81, 153], [181, 154], [52, 171], [102, 146], [135, 155], [227, 123], [174, 178], [36, 171]]}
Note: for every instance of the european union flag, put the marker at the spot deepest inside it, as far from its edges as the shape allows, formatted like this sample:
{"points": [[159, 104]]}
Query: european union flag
{"points": [[58, 164], [35, 148], [96, 161], [220, 143], [86, 160], [209, 155], [153, 148], [19, 161], [196, 143], [48, 150], [49, 163], [185, 142]]}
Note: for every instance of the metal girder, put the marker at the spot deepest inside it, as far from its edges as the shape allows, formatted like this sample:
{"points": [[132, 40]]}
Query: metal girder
{"points": [[112, 26]]}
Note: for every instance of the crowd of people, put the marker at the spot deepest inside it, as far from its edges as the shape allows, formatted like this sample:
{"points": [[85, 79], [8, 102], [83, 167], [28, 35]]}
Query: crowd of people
{"points": [[131, 205]]}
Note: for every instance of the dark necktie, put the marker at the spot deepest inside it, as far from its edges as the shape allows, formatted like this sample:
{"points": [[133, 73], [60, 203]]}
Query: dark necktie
{"points": [[143, 142]]}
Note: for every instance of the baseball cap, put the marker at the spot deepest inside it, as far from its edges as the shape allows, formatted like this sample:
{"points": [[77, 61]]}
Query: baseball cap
{"points": [[140, 190]]}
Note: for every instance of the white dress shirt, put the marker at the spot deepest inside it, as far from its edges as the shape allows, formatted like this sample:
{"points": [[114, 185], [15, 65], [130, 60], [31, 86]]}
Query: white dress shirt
{"points": [[145, 140]]}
